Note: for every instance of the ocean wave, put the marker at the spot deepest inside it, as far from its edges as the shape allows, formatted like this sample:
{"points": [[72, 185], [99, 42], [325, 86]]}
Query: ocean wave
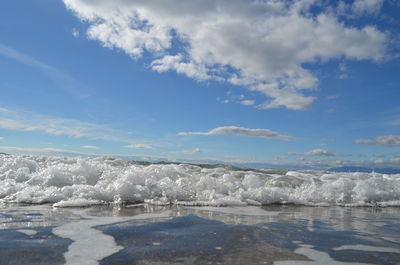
{"points": [[72, 181]]}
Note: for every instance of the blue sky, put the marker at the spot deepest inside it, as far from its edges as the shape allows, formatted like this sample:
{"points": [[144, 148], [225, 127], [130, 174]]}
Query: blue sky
{"points": [[282, 83]]}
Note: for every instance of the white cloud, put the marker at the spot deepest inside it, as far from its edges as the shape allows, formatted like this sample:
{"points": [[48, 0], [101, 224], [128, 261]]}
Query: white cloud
{"points": [[1, 138], [90, 147], [315, 152], [186, 152], [262, 45], [386, 140], [75, 33], [290, 98], [139, 146], [20, 120], [233, 130], [190, 69], [377, 163], [247, 102], [39, 150], [240, 99], [343, 76], [361, 7], [343, 71], [368, 163]]}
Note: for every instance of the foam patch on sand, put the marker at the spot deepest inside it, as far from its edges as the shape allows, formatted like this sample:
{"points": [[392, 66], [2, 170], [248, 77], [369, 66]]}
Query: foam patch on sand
{"points": [[28, 232], [315, 256], [89, 244], [368, 248]]}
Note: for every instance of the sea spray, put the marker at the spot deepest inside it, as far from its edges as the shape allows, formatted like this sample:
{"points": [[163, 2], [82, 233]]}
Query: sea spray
{"points": [[74, 181]]}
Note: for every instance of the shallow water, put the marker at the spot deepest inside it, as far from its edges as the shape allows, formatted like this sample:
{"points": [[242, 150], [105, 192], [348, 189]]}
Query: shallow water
{"points": [[143, 213], [148, 234]]}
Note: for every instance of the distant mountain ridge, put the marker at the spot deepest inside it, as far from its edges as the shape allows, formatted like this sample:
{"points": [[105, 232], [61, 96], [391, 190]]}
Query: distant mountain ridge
{"points": [[365, 169]]}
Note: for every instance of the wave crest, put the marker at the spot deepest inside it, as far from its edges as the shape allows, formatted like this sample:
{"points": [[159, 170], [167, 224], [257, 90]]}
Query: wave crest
{"points": [[68, 181]]}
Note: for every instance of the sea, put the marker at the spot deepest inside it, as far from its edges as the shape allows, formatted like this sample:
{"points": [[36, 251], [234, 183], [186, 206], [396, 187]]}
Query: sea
{"points": [[103, 210]]}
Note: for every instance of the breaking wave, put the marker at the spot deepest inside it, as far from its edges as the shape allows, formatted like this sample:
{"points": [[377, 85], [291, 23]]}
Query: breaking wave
{"points": [[69, 181]]}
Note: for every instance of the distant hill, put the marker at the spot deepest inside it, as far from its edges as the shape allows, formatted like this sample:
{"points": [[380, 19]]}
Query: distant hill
{"points": [[365, 169]]}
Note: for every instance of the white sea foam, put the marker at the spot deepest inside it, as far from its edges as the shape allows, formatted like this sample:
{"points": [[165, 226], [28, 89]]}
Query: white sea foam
{"points": [[368, 248], [28, 232], [85, 236], [316, 257], [87, 181]]}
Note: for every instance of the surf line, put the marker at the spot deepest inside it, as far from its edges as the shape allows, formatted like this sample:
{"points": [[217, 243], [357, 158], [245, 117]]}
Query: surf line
{"points": [[90, 245]]}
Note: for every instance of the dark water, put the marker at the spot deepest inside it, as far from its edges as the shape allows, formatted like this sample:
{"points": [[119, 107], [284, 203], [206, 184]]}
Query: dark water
{"points": [[144, 234]]}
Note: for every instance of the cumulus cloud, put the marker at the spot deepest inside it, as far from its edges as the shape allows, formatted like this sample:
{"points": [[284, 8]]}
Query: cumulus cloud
{"points": [[261, 45], [233, 130], [386, 140], [315, 152], [139, 146]]}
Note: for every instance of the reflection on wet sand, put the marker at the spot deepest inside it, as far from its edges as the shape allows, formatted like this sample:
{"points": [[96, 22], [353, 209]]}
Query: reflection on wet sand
{"points": [[277, 233]]}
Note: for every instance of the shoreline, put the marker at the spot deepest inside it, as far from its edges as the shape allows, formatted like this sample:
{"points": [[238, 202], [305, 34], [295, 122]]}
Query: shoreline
{"points": [[147, 234]]}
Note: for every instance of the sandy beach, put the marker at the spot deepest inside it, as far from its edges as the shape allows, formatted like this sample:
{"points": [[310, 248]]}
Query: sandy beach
{"points": [[145, 234]]}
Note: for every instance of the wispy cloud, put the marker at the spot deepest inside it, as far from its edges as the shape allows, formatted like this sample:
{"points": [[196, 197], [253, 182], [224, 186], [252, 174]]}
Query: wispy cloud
{"points": [[315, 152], [21, 120], [372, 163], [386, 140], [49, 150], [90, 147], [139, 146], [186, 152], [75, 32], [234, 130], [367, 7], [392, 118], [1, 138], [64, 80], [247, 102], [237, 99], [359, 8], [342, 71]]}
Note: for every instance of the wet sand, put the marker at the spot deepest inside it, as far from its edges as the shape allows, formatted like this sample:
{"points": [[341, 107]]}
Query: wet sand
{"points": [[145, 234]]}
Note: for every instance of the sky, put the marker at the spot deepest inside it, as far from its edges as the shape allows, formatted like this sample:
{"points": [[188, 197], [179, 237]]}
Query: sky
{"points": [[307, 83]]}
